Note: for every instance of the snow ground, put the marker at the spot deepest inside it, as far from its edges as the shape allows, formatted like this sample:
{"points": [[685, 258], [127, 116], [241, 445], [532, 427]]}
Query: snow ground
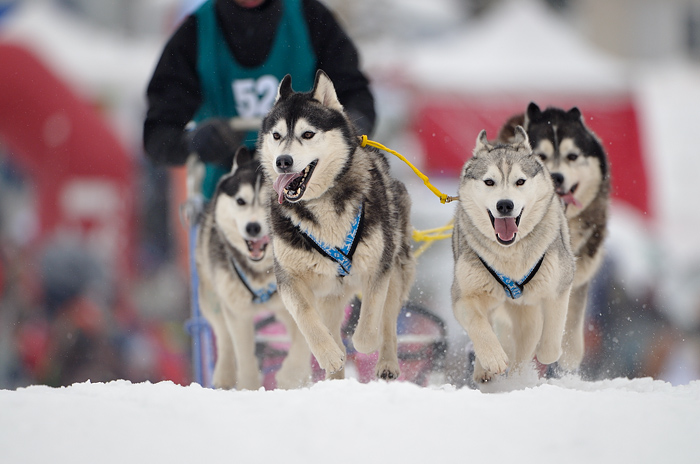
{"points": [[613, 421]]}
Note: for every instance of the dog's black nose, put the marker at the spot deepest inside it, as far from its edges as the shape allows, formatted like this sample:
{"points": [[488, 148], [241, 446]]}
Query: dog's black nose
{"points": [[505, 207], [252, 228], [284, 162], [558, 179]]}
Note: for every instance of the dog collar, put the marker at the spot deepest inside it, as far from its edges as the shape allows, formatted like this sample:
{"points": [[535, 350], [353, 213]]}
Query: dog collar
{"points": [[341, 255], [513, 288], [261, 295]]}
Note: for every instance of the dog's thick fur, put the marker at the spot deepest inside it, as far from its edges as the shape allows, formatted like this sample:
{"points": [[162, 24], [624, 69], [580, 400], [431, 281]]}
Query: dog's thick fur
{"points": [[579, 166], [508, 218], [322, 176], [234, 233]]}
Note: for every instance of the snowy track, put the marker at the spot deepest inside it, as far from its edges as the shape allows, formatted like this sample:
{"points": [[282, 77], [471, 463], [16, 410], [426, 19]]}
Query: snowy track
{"points": [[568, 420]]}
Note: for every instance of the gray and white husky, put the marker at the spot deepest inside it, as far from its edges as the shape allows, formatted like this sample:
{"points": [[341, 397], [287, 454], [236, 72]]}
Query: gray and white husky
{"points": [[340, 227], [579, 166], [512, 256], [236, 280]]}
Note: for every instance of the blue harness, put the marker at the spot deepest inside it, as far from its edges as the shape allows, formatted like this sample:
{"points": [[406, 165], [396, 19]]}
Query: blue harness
{"points": [[513, 288], [341, 255], [261, 295]]}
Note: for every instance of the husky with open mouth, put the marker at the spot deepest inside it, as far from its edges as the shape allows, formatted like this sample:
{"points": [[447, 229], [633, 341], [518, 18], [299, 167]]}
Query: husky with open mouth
{"points": [[340, 227], [512, 257], [579, 166], [236, 280]]}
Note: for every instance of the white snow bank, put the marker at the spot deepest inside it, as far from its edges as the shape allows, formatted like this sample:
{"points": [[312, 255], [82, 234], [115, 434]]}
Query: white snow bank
{"points": [[568, 420]]}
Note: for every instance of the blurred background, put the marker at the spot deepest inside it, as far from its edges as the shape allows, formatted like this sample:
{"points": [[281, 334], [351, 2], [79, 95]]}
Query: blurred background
{"points": [[93, 267]]}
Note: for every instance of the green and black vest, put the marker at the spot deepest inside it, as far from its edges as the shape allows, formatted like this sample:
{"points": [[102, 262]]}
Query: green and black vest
{"points": [[230, 89]]}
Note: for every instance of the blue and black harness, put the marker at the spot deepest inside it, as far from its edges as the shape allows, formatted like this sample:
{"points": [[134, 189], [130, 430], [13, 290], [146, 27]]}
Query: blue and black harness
{"points": [[341, 255], [261, 295], [513, 288]]}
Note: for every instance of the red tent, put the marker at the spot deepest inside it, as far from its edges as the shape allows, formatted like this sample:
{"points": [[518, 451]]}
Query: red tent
{"points": [[83, 177]]}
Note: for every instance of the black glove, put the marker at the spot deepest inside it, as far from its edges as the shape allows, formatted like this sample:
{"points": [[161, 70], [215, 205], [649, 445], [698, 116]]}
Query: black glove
{"points": [[214, 140]]}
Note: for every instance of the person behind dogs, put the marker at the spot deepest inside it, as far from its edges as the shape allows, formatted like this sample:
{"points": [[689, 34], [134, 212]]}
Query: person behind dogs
{"points": [[227, 59]]}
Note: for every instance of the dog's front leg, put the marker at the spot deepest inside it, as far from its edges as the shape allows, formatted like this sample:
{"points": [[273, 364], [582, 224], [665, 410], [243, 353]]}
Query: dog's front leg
{"points": [[554, 318], [301, 304], [473, 314], [367, 337], [242, 331]]}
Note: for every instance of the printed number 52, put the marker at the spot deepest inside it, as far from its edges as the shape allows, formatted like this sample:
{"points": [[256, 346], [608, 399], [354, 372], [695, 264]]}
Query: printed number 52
{"points": [[254, 98]]}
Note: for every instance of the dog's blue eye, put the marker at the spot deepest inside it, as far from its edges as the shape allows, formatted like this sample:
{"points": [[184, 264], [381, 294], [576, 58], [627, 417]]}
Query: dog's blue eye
{"points": [[308, 135], [520, 182], [240, 201], [276, 135], [572, 156], [489, 182]]}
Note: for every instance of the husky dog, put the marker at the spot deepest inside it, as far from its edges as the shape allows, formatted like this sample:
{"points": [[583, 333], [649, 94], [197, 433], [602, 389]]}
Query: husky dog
{"points": [[512, 254], [236, 280], [579, 166], [340, 226]]}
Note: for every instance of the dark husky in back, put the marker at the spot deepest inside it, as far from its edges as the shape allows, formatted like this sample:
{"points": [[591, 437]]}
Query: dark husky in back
{"points": [[579, 166]]}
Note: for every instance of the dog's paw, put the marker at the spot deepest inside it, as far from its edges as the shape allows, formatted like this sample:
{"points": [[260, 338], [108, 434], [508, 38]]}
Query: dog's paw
{"points": [[549, 353], [570, 360], [288, 379], [387, 370], [366, 341], [331, 359], [493, 360]]}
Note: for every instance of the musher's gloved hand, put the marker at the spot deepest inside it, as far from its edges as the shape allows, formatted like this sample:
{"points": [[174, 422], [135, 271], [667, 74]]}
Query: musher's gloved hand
{"points": [[214, 140]]}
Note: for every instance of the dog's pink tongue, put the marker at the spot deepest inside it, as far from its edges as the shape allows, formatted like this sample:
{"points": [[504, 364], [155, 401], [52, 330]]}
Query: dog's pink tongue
{"points": [[258, 247], [570, 200], [282, 182], [505, 228]]}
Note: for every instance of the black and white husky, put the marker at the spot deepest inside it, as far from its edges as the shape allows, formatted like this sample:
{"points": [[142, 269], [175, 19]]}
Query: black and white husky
{"points": [[513, 258], [340, 227], [579, 166], [236, 280]]}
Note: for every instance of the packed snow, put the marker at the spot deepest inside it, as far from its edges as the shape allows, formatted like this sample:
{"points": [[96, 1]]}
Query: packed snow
{"points": [[614, 421]]}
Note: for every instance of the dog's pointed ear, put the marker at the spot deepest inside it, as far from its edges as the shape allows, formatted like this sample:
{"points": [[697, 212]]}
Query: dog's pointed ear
{"points": [[242, 156], [324, 91], [285, 88], [521, 139], [575, 114], [482, 143], [532, 114]]}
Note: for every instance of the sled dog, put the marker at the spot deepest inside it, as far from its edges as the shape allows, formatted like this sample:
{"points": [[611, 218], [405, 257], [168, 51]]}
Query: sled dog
{"points": [[579, 166], [340, 227], [512, 254], [236, 280]]}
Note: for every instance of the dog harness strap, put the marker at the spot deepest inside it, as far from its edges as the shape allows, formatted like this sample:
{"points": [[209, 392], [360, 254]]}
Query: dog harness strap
{"points": [[513, 288], [260, 296], [341, 255]]}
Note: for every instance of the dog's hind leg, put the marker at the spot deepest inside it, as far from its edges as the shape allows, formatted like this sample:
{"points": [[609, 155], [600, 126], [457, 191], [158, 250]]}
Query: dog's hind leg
{"points": [[296, 367], [367, 337], [573, 345], [554, 317], [298, 298], [387, 367]]}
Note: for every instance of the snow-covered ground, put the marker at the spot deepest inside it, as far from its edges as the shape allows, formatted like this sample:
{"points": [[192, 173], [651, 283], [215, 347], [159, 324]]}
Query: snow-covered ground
{"points": [[614, 421]]}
